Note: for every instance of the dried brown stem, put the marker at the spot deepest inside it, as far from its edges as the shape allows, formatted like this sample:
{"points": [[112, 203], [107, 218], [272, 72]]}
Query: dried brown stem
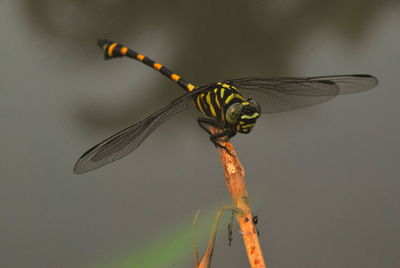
{"points": [[206, 260], [234, 176]]}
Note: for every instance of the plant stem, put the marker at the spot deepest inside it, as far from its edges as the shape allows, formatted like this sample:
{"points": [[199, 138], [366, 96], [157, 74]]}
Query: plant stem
{"points": [[234, 177]]}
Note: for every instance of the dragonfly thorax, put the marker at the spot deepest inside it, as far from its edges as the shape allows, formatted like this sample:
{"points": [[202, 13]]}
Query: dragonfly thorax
{"points": [[243, 115]]}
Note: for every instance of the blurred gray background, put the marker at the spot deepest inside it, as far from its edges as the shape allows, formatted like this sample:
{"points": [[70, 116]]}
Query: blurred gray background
{"points": [[323, 180]]}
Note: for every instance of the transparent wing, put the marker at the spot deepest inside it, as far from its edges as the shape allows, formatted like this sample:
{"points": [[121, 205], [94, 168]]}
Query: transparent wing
{"points": [[285, 93], [127, 140]]}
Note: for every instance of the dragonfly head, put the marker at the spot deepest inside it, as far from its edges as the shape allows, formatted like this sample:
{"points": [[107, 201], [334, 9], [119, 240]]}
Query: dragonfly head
{"points": [[243, 115]]}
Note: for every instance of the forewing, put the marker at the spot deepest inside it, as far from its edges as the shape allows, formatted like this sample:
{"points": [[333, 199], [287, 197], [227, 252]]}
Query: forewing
{"points": [[350, 83], [127, 140], [284, 93]]}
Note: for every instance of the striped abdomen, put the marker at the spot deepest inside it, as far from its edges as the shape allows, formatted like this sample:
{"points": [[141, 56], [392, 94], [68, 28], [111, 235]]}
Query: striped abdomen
{"points": [[216, 99], [113, 50]]}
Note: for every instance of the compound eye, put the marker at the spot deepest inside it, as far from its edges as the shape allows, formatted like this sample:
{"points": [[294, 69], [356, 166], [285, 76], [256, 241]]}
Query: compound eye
{"points": [[233, 113]]}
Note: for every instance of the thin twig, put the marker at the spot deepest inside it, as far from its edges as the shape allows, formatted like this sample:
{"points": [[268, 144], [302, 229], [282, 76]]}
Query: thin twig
{"points": [[206, 260], [195, 247], [234, 177]]}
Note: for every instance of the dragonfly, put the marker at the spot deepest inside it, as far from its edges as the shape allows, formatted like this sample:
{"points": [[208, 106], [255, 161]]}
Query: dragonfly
{"points": [[230, 106]]}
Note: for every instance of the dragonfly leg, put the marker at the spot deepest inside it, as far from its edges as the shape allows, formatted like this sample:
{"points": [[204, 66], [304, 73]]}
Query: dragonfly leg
{"points": [[205, 123], [216, 138]]}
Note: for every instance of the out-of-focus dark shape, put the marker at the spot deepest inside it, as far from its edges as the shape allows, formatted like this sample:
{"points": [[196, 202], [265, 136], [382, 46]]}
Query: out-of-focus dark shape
{"points": [[215, 39]]}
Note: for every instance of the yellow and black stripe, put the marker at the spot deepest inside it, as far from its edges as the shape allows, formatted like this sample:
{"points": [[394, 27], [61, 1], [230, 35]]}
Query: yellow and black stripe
{"points": [[211, 102], [114, 50], [214, 101]]}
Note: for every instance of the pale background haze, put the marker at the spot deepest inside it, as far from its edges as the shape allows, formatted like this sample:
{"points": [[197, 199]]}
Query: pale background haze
{"points": [[323, 180]]}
